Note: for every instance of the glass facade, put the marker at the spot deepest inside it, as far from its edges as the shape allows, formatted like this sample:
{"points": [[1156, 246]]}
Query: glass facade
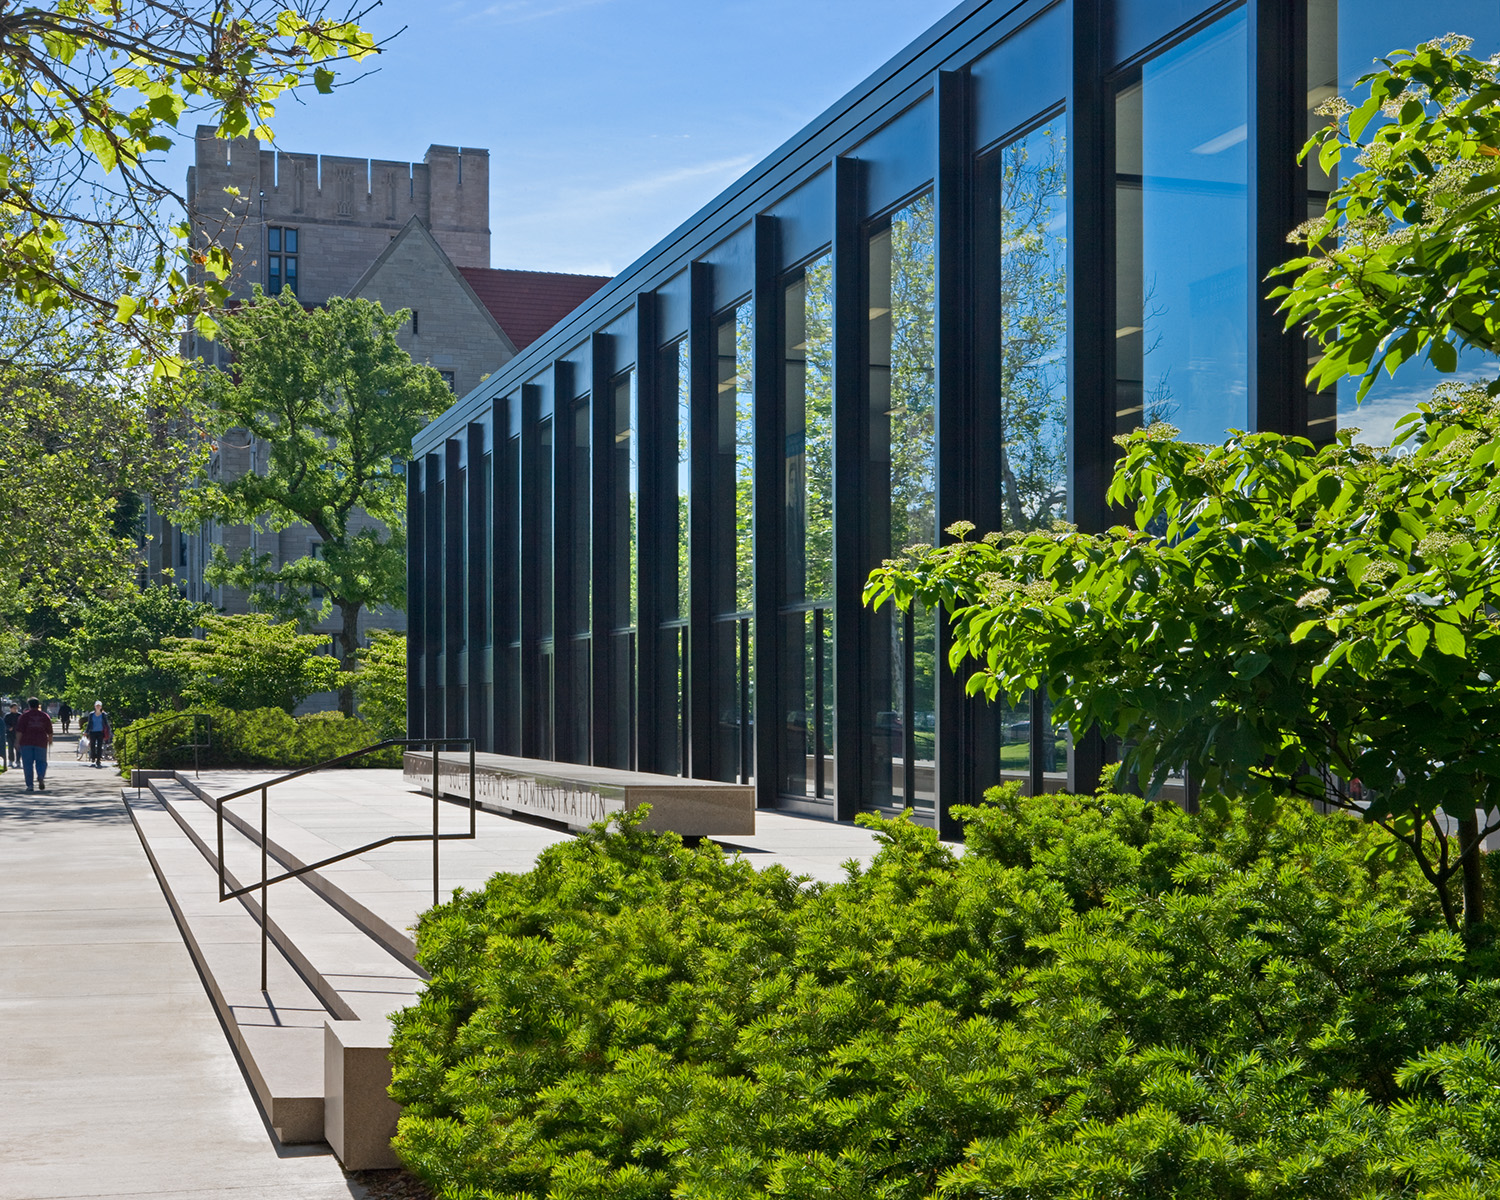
{"points": [[1182, 236], [805, 658], [942, 303]]}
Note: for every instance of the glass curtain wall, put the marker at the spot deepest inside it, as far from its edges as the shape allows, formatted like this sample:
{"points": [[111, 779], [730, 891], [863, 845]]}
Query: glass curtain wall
{"points": [[805, 655], [1022, 355], [576, 608], [546, 584], [1345, 37], [1182, 236], [732, 577], [901, 394], [673, 476], [507, 595], [624, 480]]}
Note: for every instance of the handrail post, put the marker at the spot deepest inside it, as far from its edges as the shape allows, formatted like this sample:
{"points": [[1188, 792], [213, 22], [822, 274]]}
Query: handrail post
{"points": [[435, 824], [265, 915], [219, 811]]}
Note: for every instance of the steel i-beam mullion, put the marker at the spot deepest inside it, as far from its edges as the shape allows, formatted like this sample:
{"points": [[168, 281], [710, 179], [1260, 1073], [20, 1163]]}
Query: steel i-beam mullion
{"points": [[702, 401], [1091, 368], [603, 619], [533, 695], [454, 474], [1278, 69], [850, 442], [654, 550], [566, 619], [418, 640], [480, 669], [770, 554], [432, 601], [967, 440]]}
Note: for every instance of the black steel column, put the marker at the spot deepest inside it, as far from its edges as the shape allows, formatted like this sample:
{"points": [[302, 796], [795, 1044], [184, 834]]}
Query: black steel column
{"points": [[967, 436], [702, 401], [1278, 203], [453, 588], [480, 597], [1091, 276], [432, 600], [416, 613], [770, 550], [533, 692], [850, 439], [656, 550], [603, 619]]}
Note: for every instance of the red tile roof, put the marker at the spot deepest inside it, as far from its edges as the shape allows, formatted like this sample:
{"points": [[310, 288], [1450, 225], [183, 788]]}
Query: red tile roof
{"points": [[528, 303]]}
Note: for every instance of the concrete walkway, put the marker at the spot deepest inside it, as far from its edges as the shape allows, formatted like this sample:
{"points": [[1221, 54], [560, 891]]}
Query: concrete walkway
{"points": [[116, 1079]]}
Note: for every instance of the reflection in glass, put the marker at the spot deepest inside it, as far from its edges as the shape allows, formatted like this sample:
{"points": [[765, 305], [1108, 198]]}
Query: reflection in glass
{"points": [[806, 652], [674, 413], [624, 473], [1182, 237], [901, 394], [546, 743], [1033, 313], [574, 701], [507, 596], [732, 545], [1344, 38]]}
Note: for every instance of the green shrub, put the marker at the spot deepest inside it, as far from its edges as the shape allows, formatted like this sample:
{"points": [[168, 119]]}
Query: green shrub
{"points": [[261, 737], [1101, 997], [249, 661]]}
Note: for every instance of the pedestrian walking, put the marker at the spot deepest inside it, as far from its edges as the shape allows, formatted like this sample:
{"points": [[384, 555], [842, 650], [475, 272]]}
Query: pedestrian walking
{"points": [[34, 736], [65, 715], [97, 726], [12, 755]]}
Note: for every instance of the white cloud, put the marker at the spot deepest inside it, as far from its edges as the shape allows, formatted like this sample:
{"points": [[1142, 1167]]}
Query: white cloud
{"points": [[516, 12]]}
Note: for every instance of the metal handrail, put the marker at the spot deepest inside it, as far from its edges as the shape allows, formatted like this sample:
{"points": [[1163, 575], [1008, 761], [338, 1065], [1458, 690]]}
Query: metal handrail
{"points": [[266, 881], [135, 730]]}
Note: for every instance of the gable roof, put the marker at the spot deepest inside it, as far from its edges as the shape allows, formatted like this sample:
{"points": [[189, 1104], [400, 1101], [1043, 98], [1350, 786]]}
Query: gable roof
{"points": [[528, 303], [416, 229]]}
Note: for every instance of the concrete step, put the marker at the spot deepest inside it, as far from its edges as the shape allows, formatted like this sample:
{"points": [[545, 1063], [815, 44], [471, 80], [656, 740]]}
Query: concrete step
{"points": [[277, 1033], [352, 886], [354, 976]]}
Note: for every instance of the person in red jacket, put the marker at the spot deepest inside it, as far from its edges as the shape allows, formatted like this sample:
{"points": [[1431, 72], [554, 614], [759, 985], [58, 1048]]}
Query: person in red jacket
{"points": [[33, 736]]}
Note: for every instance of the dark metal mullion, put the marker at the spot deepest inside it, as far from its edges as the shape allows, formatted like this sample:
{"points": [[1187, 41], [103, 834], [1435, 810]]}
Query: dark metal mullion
{"points": [[532, 600], [1278, 398], [649, 710], [453, 579], [432, 601], [702, 405], [419, 637], [909, 709], [962, 442], [770, 556], [479, 589], [1091, 254], [850, 441], [603, 619]]}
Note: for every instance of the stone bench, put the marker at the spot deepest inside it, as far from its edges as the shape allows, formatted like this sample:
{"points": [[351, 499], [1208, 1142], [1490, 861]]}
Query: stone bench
{"points": [[577, 795]]}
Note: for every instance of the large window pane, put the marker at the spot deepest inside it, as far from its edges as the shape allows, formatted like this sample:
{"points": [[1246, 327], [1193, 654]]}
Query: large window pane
{"points": [[546, 599], [624, 483], [507, 596], [901, 394], [575, 676], [674, 477], [1182, 237], [805, 657], [1345, 37], [732, 574]]}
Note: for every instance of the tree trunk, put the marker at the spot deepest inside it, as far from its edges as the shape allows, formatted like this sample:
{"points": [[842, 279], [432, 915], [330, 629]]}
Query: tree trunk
{"points": [[348, 646], [1472, 864]]}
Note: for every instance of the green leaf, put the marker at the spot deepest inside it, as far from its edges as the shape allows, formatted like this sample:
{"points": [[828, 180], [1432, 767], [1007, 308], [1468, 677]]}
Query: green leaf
{"points": [[1417, 638], [1449, 639]]}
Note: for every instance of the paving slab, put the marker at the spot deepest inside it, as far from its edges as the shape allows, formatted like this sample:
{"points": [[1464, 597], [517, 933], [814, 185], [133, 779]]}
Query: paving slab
{"points": [[126, 1087]]}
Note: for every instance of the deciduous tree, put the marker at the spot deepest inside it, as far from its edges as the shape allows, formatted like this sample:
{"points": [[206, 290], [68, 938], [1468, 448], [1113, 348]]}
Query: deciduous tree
{"points": [[332, 402]]}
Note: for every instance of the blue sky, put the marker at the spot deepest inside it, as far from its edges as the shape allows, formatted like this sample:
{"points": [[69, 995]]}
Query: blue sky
{"points": [[608, 122]]}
